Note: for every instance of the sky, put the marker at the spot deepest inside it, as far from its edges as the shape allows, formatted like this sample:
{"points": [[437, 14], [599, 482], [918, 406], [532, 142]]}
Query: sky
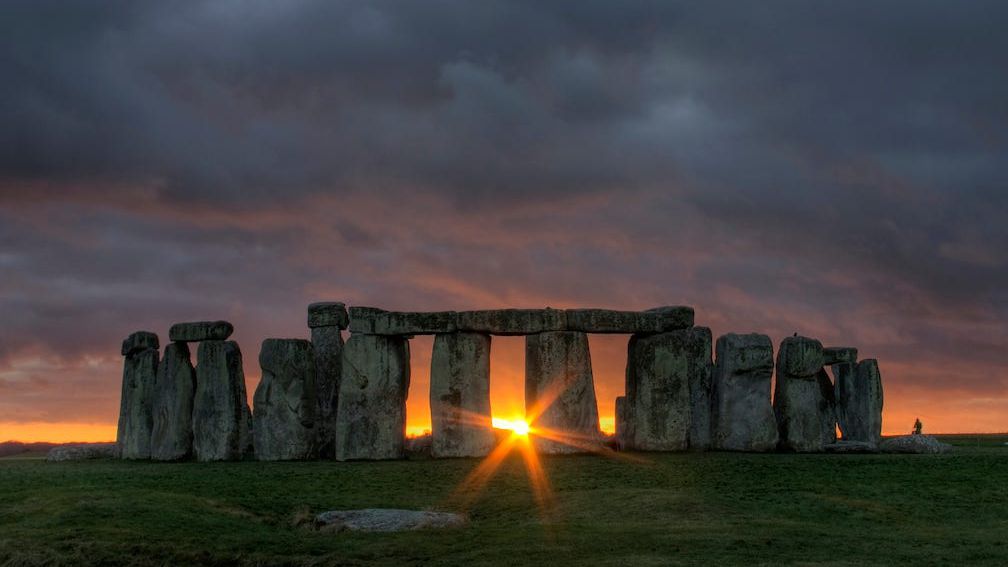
{"points": [[832, 169]]}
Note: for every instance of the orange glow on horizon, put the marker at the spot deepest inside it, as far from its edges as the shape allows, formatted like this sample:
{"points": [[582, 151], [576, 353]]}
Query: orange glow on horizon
{"points": [[46, 432]]}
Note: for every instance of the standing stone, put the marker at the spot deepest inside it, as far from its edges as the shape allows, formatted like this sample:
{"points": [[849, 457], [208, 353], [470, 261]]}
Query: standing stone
{"points": [[859, 400], [798, 395], [623, 433], [460, 395], [660, 372], [133, 436], [328, 314], [285, 402], [698, 352], [827, 407], [328, 343], [560, 393], [221, 416], [371, 418], [173, 405], [742, 415]]}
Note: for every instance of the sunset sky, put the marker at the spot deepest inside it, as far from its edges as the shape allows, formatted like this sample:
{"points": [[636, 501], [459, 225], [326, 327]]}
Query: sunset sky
{"points": [[829, 169]]}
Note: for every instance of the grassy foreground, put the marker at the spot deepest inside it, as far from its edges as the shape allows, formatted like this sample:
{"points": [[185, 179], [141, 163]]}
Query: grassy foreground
{"points": [[711, 508]]}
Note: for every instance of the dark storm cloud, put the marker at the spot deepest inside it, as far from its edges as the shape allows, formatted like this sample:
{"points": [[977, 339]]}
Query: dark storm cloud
{"points": [[830, 168]]}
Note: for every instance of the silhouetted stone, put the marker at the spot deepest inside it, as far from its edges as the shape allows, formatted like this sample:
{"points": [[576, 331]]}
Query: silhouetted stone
{"points": [[173, 405], [666, 318], [138, 341], [371, 419], [328, 343], [136, 421], [221, 416], [82, 452], [742, 414], [837, 355], [285, 402], [798, 396], [827, 407], [560, 392], [328, 314], [512, 321], [460, 395], [200, 331], [660, 372], [373, 321], [624, 431], [859, 400], [658, 320]]}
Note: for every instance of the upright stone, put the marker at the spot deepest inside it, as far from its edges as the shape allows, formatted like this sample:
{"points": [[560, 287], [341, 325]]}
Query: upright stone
{"points": [[827, 407], [133, 436], [221, 416], [371, 418], [326, 321], [742, 415], [667, 376], [460, 395], [173, 405], [623, 433], [798, 397], [560, 393], [285, 402], [859, 400]]}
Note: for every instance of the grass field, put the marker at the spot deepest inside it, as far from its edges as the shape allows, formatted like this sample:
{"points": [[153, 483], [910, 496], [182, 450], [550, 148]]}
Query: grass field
{"points": [[711, 508]]}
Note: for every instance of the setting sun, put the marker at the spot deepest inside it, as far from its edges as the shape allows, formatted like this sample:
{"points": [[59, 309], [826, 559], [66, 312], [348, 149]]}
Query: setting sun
{"points": [[519, 426]]}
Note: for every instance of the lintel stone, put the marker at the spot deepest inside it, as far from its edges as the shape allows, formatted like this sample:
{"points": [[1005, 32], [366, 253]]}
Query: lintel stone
{"points": [[328, 314]]}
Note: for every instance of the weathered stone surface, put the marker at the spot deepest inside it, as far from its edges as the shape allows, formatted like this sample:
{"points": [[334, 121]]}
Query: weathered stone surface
{"points": [[859, 400], [328, 343], [221, 416], [512, 321], [662, 370], [201, 331], [658, 320], [328, 314], [624, 433], [842, 446], [138, 341], [827, 407], [701, 367], [798, 396], [136, 404], [371, 419], [81, 452], [285, 403], [173, 405], [388, 520], [373, 321], [921, 444], [560, 393], [460, 395], [837, 355], [742, 415]]}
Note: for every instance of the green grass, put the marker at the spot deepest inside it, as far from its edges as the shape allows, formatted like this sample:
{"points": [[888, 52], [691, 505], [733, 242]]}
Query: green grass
{"points": [[711, 508]]}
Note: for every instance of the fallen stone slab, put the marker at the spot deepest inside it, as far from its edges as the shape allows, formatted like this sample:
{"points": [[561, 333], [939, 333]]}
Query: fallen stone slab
{"points": [[841, 446], [920, 444], [836, 355], [82, 452], [460, 395], [388, 520], [136, 405], [196, 331], [374, 321], [742, 415], [174, 392], [138, 341], [512, 321], [285, 403], [658, 320], [328, 314]]}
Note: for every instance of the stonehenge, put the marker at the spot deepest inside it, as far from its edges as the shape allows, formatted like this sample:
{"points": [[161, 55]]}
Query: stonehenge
{"points": [[286, 404], [136, 418], [560, 400], [340, 397], [460, 395]]}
